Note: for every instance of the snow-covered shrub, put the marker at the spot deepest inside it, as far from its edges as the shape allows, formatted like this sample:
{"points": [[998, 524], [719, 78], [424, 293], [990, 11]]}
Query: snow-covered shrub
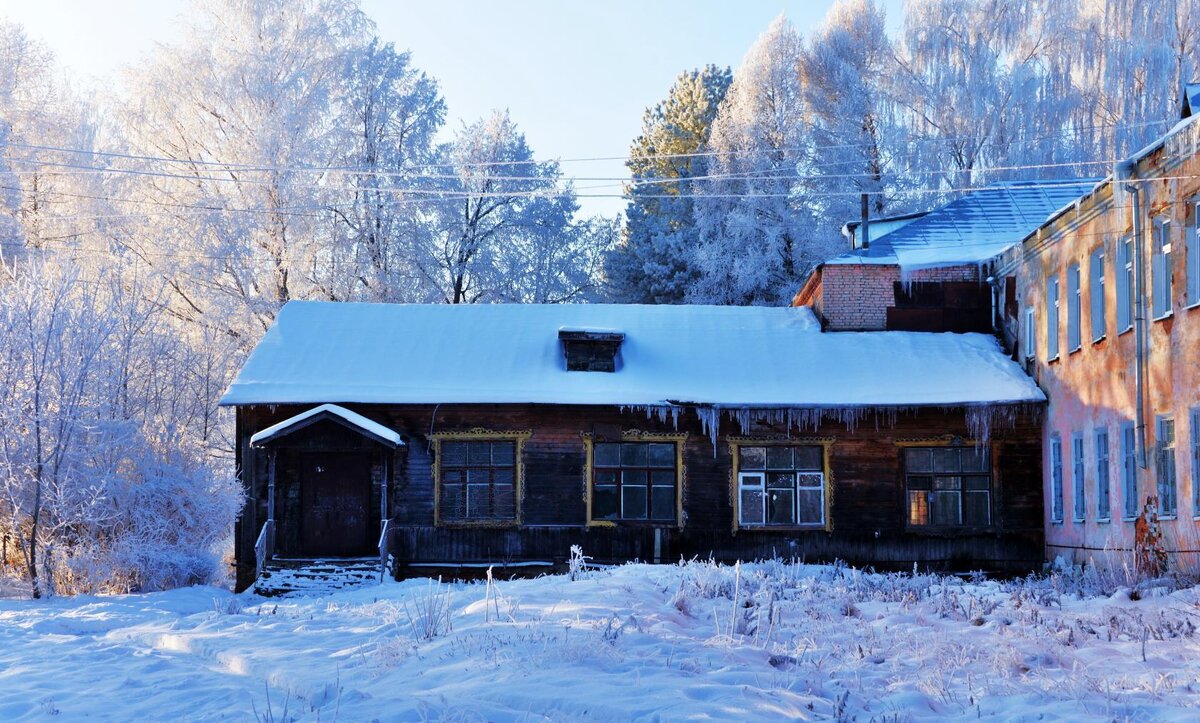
{"points": [[107, 482], [429, 615]]}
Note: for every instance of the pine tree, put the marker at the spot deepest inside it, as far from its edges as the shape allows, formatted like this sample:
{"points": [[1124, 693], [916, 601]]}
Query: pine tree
{"points": [[652, 264]]}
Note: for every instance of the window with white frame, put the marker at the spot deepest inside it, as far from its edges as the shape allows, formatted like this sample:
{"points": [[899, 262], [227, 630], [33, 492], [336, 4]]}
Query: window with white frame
{"points": [[1129, 494], [781, 485], [1195, 425], [1167, 502], [1052, 318], [1124, 271], [1160, 269], [1056, 486], [1074, 308], [1096, 294], [948, 486], [1103, 506], [1030, 333], [1193, 257], [1077, 478]]}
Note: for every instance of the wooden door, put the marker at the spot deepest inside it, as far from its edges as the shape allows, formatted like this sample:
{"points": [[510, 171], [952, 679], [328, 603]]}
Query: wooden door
{"points": [[335, 503]]}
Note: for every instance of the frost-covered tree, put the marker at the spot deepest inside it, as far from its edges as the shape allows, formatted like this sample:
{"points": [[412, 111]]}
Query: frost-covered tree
{"points": [[501, 216], [652, 264], [850, 123], [389, 114], [243, 104], [105, 481], [754, 228]]}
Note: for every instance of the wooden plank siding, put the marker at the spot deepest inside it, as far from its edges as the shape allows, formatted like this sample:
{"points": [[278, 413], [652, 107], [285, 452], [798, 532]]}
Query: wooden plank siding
{"points": [[867, 523]]}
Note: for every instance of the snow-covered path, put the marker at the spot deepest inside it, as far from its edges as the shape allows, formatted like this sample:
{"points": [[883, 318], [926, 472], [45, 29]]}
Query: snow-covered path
{"points": [[632, 642]]}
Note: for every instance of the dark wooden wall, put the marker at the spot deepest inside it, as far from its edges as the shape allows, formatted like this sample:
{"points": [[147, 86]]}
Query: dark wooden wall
{"points": [[958, 306], [868, 512]]}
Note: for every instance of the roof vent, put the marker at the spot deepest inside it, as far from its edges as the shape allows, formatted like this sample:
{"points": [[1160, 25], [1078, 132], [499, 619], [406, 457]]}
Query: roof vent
{"points": [[591, 350]]}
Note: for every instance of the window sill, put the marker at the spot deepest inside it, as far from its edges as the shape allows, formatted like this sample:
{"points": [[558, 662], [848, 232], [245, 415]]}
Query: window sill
{"points": [[783, 528], [1056, 522], [486, 524], [632, 523], [1126, 330], [1072, 351], [1078, 520], [943, 530], [1163, 317], [1103, 520], [1099, 339], [1129, 519], [1052, 359], [1193, 305], [1167, 518]]}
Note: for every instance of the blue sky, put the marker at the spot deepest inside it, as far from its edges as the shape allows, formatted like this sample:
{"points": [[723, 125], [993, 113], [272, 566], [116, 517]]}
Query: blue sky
{"points": [[575, 75]]}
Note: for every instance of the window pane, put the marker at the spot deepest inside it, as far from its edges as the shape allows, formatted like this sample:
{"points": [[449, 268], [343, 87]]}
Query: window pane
{"points": [[633, 455], [454, 501], [607, 455], [663, 477], [604, 502], [918, 507], [781, 507], [502, 476], [503, 453], [662, 503], [479, 503], [634, 477], [976, 482], [918, 460], [812, 506], [920, 482], [453, 476], [633, 502], [947, 483], [662, 455], [479, 476], [976, 508], [606, 476], [810, 480], [752, 458], [503, 502], [810, 458], [785, 480], [943, 508], [479, 453], [779, 457], [945, 459], [751, 506], [974, 459], [454, 454]]}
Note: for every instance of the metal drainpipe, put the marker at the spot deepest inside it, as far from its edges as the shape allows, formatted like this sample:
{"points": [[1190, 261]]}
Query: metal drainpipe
{"points": [[1139, 320]]}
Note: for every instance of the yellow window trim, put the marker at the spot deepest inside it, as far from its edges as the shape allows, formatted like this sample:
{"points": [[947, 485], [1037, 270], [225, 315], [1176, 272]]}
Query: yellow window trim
{"points": [[633, 435], [736, 442], [479, 434]]}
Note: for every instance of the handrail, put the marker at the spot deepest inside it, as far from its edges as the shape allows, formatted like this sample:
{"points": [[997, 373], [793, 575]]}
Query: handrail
{"points": [[383, 548], [264, 547]]}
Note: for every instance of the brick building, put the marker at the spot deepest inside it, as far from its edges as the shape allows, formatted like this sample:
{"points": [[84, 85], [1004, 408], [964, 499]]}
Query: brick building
{"points": [[1107, 320]]}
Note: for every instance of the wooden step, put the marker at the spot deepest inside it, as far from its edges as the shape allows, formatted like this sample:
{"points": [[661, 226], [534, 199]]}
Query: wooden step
{"points": [[288, 576]]}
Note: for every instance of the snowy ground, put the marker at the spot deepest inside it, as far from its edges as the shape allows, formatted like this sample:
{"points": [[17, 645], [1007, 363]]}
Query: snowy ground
{"points": [[667, 642]]}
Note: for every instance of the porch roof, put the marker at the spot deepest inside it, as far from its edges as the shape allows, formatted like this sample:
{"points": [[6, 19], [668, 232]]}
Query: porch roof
{"points": [[369, 428], [704, 356]]}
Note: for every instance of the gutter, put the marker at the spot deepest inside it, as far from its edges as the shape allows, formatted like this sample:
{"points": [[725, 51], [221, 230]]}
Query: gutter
{"points": [[1127, 171]]}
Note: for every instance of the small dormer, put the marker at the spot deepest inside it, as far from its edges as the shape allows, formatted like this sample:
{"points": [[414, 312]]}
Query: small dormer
{"points": [[590, 350]]}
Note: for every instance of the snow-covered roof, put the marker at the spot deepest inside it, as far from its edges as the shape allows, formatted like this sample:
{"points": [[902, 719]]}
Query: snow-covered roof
{"points": [[358, 421], [729, 357], [1191, 100], [972, 229]]}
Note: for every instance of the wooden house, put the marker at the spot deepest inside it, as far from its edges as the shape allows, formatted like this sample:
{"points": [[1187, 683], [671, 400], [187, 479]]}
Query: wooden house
{"points": [[435, 437]]}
